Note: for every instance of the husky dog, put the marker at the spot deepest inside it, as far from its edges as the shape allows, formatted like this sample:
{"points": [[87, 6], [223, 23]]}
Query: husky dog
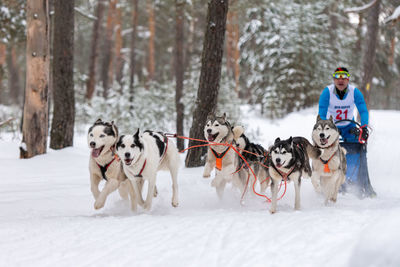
{"points": [[329, 169], [143, 155], [256, 156], [102, 137], [222, 158], [288, 160]]}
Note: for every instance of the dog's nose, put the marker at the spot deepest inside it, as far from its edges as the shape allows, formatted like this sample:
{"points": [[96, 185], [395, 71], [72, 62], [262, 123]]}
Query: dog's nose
{"points": [[127, 155], [321, 135], [278, 160], [92, 144], [209, 131]]}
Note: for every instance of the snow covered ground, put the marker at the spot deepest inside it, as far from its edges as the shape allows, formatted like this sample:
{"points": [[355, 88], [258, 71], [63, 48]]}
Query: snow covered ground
{"points": [[47, 216]]}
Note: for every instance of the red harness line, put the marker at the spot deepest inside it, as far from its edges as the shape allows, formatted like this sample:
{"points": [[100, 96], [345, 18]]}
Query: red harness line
{"points": [[229, 145]]}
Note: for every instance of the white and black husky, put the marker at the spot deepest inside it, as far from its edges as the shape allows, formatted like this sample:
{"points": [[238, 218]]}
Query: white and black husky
{"points": [[222, 158], [143, 155], [256, 156], [102, 137], [288, 160], [329, 169]]}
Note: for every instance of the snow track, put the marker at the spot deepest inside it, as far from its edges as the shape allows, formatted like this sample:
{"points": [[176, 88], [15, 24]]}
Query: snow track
{"points": [[47, 216]]}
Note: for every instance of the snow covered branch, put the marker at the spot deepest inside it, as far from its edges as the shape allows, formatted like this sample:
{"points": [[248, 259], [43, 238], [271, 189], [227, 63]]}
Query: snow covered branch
{"points": [[360, 9], [394, 17], [88, 16]]}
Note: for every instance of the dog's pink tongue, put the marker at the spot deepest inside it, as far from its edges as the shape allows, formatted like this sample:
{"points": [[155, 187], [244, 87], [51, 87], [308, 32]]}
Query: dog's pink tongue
{"points": [[210, 137], [96, 152]]}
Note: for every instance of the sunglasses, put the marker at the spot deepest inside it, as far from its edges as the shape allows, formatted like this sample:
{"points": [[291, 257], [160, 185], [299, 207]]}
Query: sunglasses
{"points": [[341, 75]]}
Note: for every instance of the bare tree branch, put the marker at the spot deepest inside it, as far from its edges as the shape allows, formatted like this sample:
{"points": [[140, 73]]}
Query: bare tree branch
{"points": [[6, 122]]}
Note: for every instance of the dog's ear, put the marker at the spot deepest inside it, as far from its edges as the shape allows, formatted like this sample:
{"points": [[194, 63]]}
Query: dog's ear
{"points": [[115, 129], [210, 116], [98, 121], [277, 140], [119, 143], [224, 116], [136, 135], [331, 118], [291, 142], [237, 132], [318, 118]]}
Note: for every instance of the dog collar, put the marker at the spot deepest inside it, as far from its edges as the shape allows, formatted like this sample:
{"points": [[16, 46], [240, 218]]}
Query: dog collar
{"points": [[283, 174]]}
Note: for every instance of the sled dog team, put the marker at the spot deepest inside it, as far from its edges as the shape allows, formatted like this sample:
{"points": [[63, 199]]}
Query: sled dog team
{"points": [[126, 161]]}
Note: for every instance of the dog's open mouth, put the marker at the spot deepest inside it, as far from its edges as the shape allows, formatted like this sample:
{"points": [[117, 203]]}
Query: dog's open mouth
{"points": [[280, 164], [97, 151], [324, 141], [128, 161], [211, 137]]}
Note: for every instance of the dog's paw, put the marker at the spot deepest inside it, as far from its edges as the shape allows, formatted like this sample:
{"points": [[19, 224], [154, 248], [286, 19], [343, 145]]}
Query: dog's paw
{"points": [[98, 204], [175, 204], [206, 175], [272, 211]]}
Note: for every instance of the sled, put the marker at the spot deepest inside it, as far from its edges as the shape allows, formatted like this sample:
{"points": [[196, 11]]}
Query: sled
{"points": [[357, 176]]}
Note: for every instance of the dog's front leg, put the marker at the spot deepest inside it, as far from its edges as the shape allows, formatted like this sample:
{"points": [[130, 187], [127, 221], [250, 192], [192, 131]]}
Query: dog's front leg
{"points": [[336, 186], [297, 183], [316, 182], [274, 197], [137, 184], [110, 186], [94, 185], [150, 193], [210, 165]]}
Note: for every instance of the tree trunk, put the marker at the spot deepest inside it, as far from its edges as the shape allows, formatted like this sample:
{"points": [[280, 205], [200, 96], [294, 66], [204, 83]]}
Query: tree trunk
{"points": [[179, 70], [119, 61], [133, 53], [3, 56], [370, 51], [94, 49], [62, 127], [35, 120], [152, 30], [108, 56], [210, 75], [14, 84]]}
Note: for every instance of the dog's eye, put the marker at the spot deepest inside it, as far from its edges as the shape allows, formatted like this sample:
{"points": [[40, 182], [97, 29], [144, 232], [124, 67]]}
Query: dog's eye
{"points": [[327, 128], [102, 135], [123, 145], [132, 146], [91, 135], [284, 152]]}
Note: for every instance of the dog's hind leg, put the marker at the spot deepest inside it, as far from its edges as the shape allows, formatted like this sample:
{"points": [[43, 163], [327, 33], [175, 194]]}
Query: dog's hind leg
{"points": [[110, 187], [220, 188]]}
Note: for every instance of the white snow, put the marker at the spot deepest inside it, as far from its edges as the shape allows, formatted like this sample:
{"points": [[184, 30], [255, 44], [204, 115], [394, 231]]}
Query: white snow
{"points": [[47, 216]]}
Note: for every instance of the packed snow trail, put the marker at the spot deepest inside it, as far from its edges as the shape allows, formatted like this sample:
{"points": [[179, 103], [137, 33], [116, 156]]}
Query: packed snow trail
{"points": [[47, 216]]}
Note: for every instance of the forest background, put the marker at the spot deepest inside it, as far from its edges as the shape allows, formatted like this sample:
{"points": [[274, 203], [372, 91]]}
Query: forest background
{"points": [[139, 63]]}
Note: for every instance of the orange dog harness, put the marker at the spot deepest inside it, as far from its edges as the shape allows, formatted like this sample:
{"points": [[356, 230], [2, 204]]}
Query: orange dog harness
{"points": [[219, 157]]}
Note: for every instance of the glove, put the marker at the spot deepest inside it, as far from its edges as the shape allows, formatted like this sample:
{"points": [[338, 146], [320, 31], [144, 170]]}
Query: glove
{"points": [[364, 133]]}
